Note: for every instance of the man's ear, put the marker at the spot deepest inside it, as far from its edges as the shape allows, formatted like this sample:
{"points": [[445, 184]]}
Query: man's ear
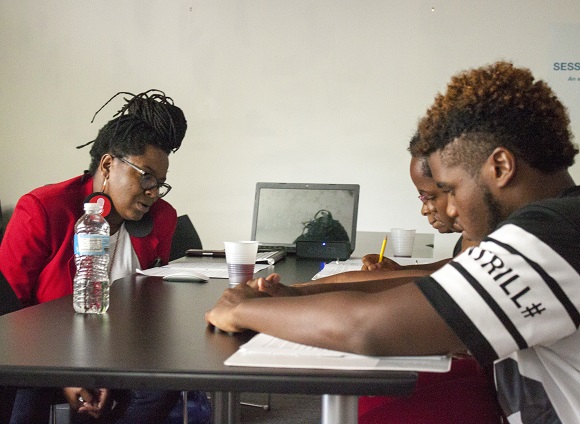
{"points": [[501, 167]]}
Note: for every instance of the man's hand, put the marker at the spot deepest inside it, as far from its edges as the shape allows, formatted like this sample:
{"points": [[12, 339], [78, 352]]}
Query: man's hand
{"points": [[221, 315], [371, 263], [86, 401], [273, 286]]}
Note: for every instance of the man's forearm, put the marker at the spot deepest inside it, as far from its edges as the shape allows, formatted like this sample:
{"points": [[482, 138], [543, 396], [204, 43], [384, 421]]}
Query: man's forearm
{"points": [[364, 323]]}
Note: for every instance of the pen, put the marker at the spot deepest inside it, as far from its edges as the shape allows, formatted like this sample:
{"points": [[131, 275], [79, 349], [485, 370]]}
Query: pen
{"points": [[381, 255]]}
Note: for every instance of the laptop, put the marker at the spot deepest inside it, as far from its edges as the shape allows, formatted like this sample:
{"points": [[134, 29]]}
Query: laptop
{"points": [[285, 213]]}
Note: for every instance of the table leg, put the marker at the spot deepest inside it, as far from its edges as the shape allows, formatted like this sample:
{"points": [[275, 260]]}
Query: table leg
{"points": [[225, 407], [339, 409], [185, 411]]}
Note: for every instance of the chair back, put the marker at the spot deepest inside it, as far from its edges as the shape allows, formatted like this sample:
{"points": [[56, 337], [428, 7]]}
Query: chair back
{"points": [[1, 223], [185, 237], [8, 300]]}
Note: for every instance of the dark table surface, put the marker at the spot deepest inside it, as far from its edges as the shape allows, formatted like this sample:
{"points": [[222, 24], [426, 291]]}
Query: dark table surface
{"points": [[154, 336]]}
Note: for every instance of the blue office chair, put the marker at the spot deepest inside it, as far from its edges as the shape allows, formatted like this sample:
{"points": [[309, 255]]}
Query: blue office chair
{"points": [[194, 407]]}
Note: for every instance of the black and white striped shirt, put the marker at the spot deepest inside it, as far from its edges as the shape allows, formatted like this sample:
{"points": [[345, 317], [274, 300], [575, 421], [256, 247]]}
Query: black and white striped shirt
{"points": [[515, 300]]}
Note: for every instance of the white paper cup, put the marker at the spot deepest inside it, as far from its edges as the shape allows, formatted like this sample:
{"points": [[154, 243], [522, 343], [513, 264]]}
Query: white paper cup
{"points": [[241, 258], [402, 241]]}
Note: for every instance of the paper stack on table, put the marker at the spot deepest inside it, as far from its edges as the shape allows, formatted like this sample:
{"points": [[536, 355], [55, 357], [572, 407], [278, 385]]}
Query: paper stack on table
{"points": [[209, 268], [267, 351]]}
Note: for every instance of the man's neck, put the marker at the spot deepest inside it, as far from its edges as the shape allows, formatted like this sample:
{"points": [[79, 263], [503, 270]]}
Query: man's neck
{"points": [[534, 185], [552, 185]]}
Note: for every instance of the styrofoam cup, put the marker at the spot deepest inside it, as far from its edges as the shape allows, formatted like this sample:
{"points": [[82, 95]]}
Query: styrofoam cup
{"points": [[241, 258], [402, 240]]}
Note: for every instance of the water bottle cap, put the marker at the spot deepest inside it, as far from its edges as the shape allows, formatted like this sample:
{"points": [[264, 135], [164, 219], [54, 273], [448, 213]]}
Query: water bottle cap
{"points": [[102, 199], [94, 207]]}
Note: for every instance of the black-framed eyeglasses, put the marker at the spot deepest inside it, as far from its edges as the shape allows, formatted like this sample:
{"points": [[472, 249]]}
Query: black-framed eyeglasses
{"points": [[148, 181]]}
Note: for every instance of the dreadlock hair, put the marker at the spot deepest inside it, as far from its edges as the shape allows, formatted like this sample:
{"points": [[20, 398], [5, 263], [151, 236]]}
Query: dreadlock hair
{"points": [[147, 119], [492, 106]]}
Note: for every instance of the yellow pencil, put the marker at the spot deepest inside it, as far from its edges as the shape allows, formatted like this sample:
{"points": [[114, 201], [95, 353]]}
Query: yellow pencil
{"points": [[383, 249]]}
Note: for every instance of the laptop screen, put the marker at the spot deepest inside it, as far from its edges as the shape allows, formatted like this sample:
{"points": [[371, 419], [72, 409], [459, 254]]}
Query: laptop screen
{"points": [[287, 212]]}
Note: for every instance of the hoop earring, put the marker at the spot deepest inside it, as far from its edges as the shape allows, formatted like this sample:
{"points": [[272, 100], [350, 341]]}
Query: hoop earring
{"points": [[101, 199]]}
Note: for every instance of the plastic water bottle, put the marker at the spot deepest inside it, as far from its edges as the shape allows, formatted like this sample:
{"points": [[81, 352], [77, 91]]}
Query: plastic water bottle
{"points": [[91, 248]]}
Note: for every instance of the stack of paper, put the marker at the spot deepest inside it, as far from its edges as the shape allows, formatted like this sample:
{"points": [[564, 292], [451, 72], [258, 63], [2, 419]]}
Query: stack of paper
{"points": [[209, 268], [267, 351]]}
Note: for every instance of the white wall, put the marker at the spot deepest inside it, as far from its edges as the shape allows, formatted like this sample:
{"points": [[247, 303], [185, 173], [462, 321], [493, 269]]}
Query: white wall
{"points": [[296, 91]]}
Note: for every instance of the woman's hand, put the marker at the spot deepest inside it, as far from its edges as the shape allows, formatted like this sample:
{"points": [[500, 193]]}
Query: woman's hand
{"points": [[273, 286], [86, 401], [371, 263]]}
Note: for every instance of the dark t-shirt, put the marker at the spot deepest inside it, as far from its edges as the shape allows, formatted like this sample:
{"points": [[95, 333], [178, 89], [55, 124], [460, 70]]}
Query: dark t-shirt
{"points": [[457, 248], [515, 299]]}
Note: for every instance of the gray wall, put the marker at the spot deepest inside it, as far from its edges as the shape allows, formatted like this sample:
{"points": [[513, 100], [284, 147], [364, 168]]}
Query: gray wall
{"points": [[322, 91]]}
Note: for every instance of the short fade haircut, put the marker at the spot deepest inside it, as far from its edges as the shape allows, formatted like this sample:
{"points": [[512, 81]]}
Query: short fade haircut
{"points": [[492, 106]]}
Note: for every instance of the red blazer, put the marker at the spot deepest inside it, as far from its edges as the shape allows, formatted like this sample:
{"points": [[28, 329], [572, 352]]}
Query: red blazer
{"points": [[36, 254]]}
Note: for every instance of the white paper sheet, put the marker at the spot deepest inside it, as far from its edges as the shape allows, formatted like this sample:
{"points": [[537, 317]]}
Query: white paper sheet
{"points": [[355, 264], [210, 268], [267, 351]]}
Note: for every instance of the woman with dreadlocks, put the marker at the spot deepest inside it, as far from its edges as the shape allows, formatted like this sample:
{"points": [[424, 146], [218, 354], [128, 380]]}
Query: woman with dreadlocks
{"points": [[127, 172]]}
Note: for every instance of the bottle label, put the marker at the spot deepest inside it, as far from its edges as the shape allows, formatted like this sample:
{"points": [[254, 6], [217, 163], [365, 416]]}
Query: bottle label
{"points": [[91, 244]]}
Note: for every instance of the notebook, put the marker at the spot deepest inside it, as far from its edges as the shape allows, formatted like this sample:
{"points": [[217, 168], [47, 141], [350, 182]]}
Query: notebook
{"points": [[287, 212]]}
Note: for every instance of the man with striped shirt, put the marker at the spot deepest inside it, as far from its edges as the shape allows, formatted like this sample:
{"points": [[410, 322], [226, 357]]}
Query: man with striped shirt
{"points": [[498, 143]]}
